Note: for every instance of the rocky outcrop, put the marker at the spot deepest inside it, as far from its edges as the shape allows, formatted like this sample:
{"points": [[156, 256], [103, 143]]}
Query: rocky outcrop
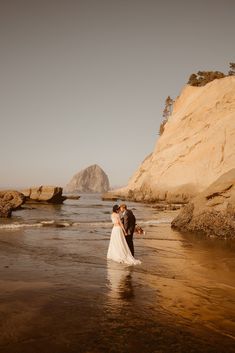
{"points": [[196, 147], [51, 194], [212, 212], [109, 196], [10, 201], [91, 179]]}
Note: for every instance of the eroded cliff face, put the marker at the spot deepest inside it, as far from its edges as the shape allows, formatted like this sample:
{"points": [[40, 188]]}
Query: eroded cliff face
{"points": [[211, 212], [197, 146]]}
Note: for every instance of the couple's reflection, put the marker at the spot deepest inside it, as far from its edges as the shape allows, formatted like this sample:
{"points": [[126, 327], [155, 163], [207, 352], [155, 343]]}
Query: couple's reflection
{"points": [[120, 282]]}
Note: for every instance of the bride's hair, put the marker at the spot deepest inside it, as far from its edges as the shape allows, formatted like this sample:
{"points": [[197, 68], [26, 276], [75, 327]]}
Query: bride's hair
{"points": [[115, 208]]}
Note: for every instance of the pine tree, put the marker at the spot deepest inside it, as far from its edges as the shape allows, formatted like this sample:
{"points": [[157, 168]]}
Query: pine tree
{"points": [[166, 113], [232, 69], [192, 80], [168, 107]]}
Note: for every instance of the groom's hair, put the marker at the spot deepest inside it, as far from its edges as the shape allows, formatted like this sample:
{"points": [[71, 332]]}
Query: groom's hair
{"points": [[123, 205]]}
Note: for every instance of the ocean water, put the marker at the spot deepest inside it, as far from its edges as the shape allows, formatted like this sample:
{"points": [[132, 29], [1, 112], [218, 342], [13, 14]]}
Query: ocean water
{"points": [[59, 293], [88, 210]]}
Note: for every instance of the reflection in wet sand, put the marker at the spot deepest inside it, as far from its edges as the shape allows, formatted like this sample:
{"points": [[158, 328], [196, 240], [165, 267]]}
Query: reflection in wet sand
{"points": [[119, 283]]}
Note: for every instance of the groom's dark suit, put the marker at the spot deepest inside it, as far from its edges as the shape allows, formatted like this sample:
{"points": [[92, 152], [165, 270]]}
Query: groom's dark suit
{"points": [[128, 220]]}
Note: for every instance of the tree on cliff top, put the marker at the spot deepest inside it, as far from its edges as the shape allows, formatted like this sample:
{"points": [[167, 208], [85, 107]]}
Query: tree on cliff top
{"points": [[203, 77], [232, 69], [166, 113]]}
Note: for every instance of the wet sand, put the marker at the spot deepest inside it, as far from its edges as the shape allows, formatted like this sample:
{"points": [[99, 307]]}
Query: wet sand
{"points": [[59, 294]]}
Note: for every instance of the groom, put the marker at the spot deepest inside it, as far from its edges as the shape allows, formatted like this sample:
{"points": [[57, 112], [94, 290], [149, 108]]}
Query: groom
{"points": [[128, 220]]}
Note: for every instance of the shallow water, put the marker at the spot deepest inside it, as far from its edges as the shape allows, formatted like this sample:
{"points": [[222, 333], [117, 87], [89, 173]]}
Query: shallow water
{"points": [[58, 293]]}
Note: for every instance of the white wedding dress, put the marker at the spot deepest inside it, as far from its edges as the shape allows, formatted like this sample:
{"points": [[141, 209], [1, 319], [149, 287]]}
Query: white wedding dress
{"points": [[118, 249]]}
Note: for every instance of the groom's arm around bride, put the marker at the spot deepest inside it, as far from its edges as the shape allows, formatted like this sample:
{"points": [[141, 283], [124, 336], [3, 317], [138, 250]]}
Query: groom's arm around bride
{"points": [[128, 220]]}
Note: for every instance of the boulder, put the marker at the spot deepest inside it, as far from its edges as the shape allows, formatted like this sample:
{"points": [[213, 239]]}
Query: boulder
{"points": [[91, 179], [212, 212], [10, 200], [51, 194]]}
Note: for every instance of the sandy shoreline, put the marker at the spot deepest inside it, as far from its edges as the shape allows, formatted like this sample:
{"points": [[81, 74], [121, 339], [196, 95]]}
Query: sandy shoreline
{"points": [[67, 298]]}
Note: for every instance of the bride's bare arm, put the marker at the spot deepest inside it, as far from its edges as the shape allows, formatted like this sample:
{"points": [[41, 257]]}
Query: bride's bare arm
{"points": [[121, 225]]}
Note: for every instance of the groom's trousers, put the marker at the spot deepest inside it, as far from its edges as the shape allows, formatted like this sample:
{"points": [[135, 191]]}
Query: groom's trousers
{"points": [[129, 240]]}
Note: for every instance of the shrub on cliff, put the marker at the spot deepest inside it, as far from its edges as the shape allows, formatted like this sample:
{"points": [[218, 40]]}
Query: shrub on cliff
{"points": [[203, 77]]}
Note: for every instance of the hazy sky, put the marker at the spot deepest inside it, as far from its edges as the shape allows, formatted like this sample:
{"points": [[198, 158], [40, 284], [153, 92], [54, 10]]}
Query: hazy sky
{"points": [[84, 82]]}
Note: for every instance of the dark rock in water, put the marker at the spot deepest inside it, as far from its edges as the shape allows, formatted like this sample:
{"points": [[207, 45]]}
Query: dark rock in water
{"points": [[163, 206], [51, 194], [91, 179], [72, 197], [212, 212], [108, 196], [9, 201]]}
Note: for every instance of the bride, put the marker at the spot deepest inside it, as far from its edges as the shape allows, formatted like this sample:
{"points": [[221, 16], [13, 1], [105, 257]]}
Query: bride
{"points": [[118, 249]]}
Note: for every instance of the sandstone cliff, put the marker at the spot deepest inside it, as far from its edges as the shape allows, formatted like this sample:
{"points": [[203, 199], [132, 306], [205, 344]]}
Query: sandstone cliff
{"points": [[197, 146], [91, 179]]}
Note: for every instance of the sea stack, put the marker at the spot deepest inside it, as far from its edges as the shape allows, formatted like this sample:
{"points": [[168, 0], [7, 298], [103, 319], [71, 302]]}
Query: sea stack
{"points": [[91, 180]]}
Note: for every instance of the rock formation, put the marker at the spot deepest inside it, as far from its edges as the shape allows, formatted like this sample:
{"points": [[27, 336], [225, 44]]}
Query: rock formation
{"points": [[10, 201], [197, 146], [51, 194], [212, 212], [91, 179]]}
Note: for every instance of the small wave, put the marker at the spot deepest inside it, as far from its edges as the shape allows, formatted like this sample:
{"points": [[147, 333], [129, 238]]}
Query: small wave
{"points": [[109, 224], [93, 224], [54, 223], [63, 224], [156, 221], [19, 225], [49, 223]]}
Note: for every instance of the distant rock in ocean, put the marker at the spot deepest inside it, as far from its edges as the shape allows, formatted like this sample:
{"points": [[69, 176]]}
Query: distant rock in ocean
{"points": [[196, 147], [50, 194], [91, 179]]}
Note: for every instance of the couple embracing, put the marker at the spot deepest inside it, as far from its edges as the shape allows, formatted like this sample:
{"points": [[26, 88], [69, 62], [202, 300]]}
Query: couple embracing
{"points": [[121, 248]]}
